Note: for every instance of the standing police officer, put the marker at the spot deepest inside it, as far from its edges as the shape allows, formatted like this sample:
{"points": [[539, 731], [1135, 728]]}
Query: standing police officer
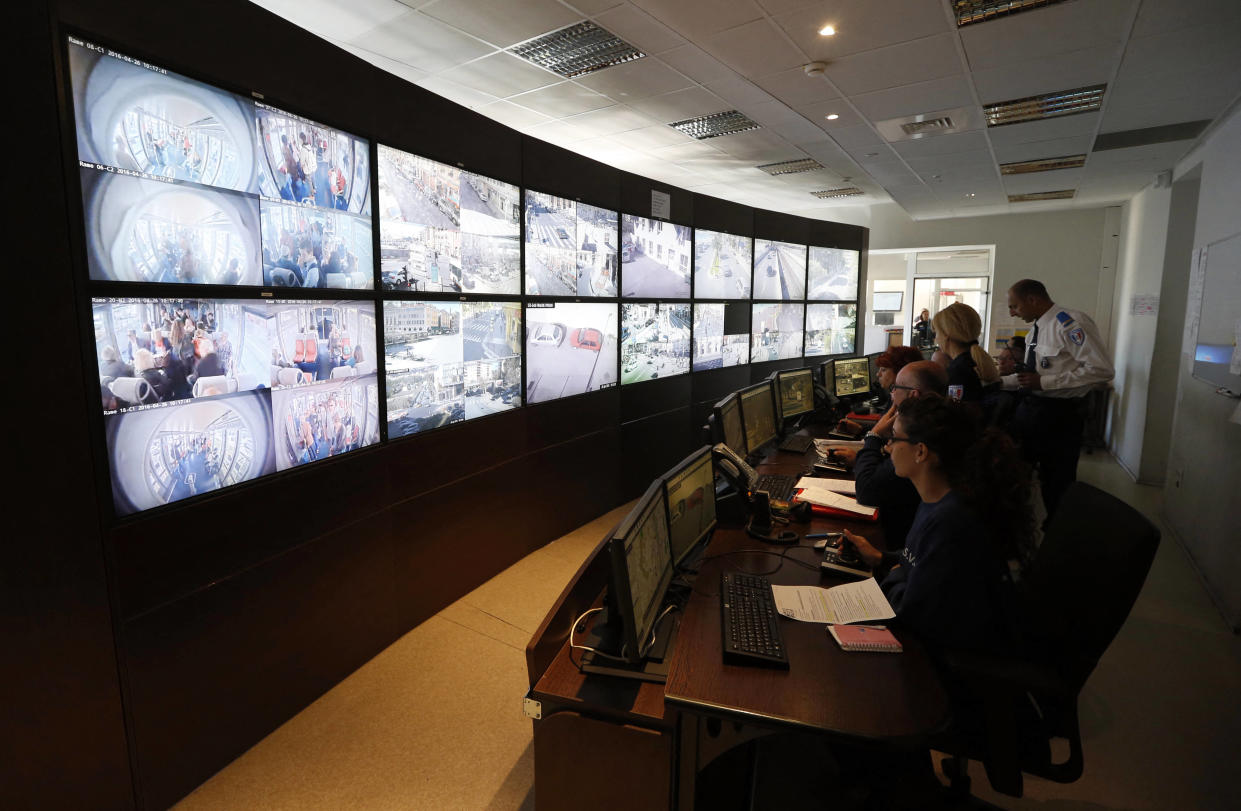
{"points": [[1065, 359]]}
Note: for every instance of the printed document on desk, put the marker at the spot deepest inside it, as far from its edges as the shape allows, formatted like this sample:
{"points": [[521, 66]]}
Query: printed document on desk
{"points": [[853, 602], [845, 486], [819, 494]]}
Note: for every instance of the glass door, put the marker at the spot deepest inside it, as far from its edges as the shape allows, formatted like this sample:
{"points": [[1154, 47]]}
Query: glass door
{"points": [[934, 294]]}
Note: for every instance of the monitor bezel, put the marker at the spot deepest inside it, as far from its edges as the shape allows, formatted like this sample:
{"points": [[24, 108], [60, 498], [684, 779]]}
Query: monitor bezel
{"points": [[690, 461], [775, 412], [718, 412], [779, 376], [857, 394], [622, 596]]}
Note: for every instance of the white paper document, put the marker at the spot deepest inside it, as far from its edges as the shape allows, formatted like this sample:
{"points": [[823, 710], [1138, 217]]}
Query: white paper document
{"points": [[823, 496], [845, 486], [824, 444], [862, 601]]}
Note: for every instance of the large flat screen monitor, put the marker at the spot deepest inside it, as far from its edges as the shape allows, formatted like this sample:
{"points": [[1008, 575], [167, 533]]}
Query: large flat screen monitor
{"points": [[795, 388], [831, 329], [888, 302], [184, 183], [852, 376], [655, 258], [654, 341], [443, 229], [570, 247], [833, 274], [758, 415], [689, 490], [721, 335], [570, 349], [721, 264], [775, 332], [729, 427], [641, 570], [449, 361], [779, 270]]}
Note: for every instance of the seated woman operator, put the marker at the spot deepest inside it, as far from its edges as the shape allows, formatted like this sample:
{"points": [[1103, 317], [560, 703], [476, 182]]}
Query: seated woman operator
{"points": [[949, 585]]}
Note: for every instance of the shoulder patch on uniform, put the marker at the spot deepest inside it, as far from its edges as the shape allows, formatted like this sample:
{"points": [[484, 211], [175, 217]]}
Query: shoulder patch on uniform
{"points": [[1064, 318], [1078, 336]]}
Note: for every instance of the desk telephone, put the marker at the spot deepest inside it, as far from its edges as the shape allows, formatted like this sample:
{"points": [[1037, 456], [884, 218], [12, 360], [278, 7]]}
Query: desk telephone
{"points": [[747, 481]]}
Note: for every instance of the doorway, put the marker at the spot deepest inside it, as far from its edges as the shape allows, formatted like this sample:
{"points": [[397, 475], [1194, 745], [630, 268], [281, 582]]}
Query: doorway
{"points": [[932, 279]]}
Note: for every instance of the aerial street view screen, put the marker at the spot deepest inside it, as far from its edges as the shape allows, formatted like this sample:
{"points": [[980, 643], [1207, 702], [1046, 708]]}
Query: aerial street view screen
{"points": [[655, 258], [721, 265], [721, 336], [779, 270], [448, 361], [570, 349], [833, 274], [655, 341], [187, 388], [442, 229], [570, 248], [173, 172], [775, 332], [830, 329]]}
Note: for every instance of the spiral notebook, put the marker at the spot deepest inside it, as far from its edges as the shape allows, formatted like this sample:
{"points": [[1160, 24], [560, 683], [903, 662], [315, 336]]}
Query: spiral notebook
{"points": [[873, 638]]}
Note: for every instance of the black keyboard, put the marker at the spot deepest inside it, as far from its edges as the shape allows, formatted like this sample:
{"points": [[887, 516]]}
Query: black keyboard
{"points": [[749, 621], [778, 485], [797, 443]]}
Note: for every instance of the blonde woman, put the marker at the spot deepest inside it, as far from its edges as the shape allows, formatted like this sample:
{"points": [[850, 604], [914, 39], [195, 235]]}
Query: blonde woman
{"points": [[959, 326]]}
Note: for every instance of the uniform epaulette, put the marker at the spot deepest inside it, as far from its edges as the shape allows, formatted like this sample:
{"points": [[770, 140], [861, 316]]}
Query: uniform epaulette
{"points": [[1064, 318]]}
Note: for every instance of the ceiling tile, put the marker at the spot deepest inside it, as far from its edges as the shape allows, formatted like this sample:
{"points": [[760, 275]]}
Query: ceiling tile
{"points": [[1036, 150], [635, 80], [845, 117], [923, 97], [977, 162], [759, 146], [738, 91], [558, 132], [1165, 16], [795, 88], [511, 115], [753, 49], [1064, 72], [1153, 156], [1046, 130], [697, 64], [1044, 32], [465, 96], [693, 150], [917, 61], [785, 6], [422, 42], [972, 142], [934, 173], [1043, 181], [1158, 112], [681, 105], [636, 27], [409, 74], [610, 120], [593, 7], [797, 130], [854, 139], [478, 17], [890, 173], [862, 26], [698, 19], [654, 137], [500, 74], [334, 21], [564, 99], [1201, 49]]}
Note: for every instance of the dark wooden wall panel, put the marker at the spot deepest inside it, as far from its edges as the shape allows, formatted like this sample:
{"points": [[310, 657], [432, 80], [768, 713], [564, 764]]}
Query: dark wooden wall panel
{"points": [[555, 170], [652, 445], [715, 214]]}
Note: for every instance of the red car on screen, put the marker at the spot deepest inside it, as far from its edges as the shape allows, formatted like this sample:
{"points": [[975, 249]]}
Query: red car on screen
{"points": [[586, 338]]}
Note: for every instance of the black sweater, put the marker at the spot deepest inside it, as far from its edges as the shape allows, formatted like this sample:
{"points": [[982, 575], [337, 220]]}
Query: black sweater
{"points": [[878, 486]]}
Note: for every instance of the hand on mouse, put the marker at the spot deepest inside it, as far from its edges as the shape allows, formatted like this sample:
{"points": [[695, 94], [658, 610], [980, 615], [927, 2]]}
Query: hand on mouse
{"points": [[844, 456], [871, 556], [849, 426]]}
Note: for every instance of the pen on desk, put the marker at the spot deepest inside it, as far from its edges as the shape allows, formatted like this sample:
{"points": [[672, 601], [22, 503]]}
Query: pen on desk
{"points": [[822, 534]]}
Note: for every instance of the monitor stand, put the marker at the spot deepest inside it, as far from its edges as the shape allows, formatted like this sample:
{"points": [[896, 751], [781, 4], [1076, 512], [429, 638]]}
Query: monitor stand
{"points": [[605, 637]]}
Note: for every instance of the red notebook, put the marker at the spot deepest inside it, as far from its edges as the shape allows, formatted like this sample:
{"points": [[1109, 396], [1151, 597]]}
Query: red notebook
{"points": [[872, 638], [837, 513]]}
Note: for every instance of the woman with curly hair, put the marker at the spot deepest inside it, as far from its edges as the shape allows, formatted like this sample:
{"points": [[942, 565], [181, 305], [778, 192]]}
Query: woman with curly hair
{"points": [[889, 363], [950, 583]]}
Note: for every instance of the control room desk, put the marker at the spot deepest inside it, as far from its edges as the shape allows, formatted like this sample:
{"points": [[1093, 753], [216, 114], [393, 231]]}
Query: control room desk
{"points": [[612, 743]]}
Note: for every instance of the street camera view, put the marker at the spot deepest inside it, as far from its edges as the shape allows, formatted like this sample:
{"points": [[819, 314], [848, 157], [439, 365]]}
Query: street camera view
{"points": [[775, 332], [655, 257], [570, 349], [721, 265], [445, 230], [655, 341], [570, 248], [779, 270], [714, 346], [448, 361], [830, 329], [833, 275]]}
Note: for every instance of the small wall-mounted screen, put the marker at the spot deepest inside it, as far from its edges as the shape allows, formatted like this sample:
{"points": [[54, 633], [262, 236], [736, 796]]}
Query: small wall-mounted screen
{"points": [[888, 302], [721, 264], [830, 329], [655, 341], [570, 247], [570, 349], [655, 258], [833, 274], [776, 332], [721, 336], [779, 270]]}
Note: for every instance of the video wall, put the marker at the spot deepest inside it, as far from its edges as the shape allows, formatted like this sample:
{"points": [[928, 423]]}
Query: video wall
{"points": [[492, 297]]}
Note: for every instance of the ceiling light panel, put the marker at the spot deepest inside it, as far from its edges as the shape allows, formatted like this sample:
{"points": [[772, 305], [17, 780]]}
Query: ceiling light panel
{"points": [[969, 12], [577, 50], [831, 194], [791, 167], [715, 125], [1062, 194], [1043, 165], [1048, 105]]}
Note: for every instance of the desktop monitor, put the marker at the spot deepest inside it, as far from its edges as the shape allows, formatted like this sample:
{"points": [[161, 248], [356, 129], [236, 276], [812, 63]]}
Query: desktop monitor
{"points": [[728, 423], [852, 376], [887, 302], [641, 571], [872, 364], [795, 388], [758, 415], [689, 489], [827, 374]]}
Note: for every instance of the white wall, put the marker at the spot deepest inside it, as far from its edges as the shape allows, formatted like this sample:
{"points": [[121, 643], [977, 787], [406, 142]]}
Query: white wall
{"points": [[879, 266]]}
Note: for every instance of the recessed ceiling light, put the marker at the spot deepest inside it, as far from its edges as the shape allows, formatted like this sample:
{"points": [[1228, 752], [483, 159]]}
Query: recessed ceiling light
{"points": [[827, 31], [715, 125], [970, 194], [846, 191], [833, 117], [577, 50]]}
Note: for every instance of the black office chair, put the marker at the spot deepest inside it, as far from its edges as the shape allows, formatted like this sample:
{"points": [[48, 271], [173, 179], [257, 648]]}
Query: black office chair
{"points": [[1073, 599]]}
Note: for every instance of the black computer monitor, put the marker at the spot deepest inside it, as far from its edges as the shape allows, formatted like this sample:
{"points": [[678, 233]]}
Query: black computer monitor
{"points": [[852, 377], [728, 423], [795, 388], [689, 490], [758, 415], [827, 375], [872, 362], [641, 571]]}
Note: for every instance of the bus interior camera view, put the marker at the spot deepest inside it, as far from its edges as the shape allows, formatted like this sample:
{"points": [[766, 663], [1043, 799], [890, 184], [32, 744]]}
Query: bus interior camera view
{"points": [[775, 332], [570, 248], [570, 349], [779, 270], [655, 258], [721, 265], [830, 329], [655, 341], [442, 229], [721, 336], [449, 361], [174, 173], [852, 376], [199, 394], [833, 274]]}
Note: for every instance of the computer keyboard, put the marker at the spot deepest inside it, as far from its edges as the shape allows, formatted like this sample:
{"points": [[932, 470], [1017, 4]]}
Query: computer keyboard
{"points": [[778, 485], [797, 443], [749, 621]]}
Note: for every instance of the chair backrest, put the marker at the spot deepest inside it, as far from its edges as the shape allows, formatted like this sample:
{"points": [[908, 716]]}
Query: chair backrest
{"points": [[335, 280], [342, 371], [283, 277], [288, 376], [312, 348], [133, 390], [365, 367], [1084, 578], [222, 383], [299, 350]]}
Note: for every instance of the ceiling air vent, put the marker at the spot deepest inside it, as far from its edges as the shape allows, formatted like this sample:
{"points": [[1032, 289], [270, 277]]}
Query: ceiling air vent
{"points": [[577, 50], [1063, 194], [714, 125], [828, 194], [1043, 165], [791, 167], [933, 126], [969, 12], [1048, 105]]}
